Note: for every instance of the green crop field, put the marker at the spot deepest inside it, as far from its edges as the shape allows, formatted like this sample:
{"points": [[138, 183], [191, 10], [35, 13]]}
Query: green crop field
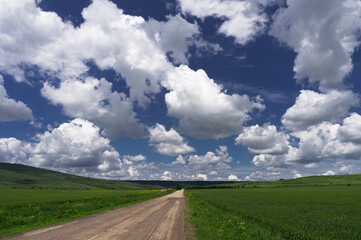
{"points": [[25, 209], [306, 208]]}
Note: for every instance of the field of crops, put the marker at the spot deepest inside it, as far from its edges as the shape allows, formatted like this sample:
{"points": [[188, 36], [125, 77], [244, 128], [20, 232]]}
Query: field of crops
{"points": [[25, 209], [309, 212]]}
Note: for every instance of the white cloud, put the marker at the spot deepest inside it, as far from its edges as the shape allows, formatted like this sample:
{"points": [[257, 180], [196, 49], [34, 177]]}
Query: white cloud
{"points": [[118, 41], [180, 161], [210, 160], [350, 131], [203, 162], [311, 165], [201, 176], [296, 174], [263, 176], [323, 142], [10, 109], [168, 142], [312, 108], [328, 173], [232, 177], [136, 158], [133, 173], [213, 173], [264, 140], [26, 31], [313, 141], [324, 35], [11, 150], [73, 147], [112, 39], [268, 160], [222, 152], [203, 109], [243, 20], [167, 176], [94, 100], [173, 36]]}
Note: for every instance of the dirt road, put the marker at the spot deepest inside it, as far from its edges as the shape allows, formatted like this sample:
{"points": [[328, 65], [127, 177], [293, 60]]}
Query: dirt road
{"points": [[160, 218]]}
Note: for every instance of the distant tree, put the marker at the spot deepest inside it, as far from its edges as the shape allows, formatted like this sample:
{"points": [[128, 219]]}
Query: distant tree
{"points": [[178, 187]]}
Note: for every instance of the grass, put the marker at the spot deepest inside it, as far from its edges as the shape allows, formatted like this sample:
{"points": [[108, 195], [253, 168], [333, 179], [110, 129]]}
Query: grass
{"points": [[25, 209], [338, 180], [265, 212], [17, 176]]}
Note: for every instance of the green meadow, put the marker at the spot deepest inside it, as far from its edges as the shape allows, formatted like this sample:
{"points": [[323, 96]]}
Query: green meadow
{"points": [[25, 209], [305, 208], [32, 197]]}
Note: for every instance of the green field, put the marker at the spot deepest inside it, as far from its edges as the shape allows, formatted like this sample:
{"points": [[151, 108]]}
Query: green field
{"points": [[25, 209], [15, 176], [266, 210], [32, 197]]}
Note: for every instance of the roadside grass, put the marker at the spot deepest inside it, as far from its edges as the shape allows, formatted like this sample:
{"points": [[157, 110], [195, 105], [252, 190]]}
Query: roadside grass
{"points": [[26, 209], [332, 212]]}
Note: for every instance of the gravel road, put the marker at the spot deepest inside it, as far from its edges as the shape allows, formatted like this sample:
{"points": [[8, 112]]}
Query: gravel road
{"points": [[161, 218]]}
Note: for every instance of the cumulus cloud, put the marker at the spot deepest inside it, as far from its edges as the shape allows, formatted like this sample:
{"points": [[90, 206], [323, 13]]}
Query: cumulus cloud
{"points": [[167, 176], [322, 142], [201, 176], [210, 160], [232, 177], [94, 100], [204, 110], [173, 36], [351, 129], [222, 152], [132, 46], [329, 173], [136, 158], [324, 34], [203, 162], [263, 140], [263, 176], [296, 174], [168, 142], [243, 20], [25, 30], [74, 146], [312, 108], [268, 160], [12, 150], [180, 161], [10, 109], [311, 165]]}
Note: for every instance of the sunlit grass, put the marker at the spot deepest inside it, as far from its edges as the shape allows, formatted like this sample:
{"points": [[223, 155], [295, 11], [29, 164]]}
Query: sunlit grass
{"points": [[332, 212]]}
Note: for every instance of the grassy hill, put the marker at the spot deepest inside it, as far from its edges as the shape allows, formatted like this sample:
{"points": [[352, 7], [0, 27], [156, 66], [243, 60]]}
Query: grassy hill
{"points": [[336, 180], [25, 177]]}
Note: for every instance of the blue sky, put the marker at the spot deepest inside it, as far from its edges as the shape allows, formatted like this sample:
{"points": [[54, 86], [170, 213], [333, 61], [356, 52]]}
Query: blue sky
{"points": [[181, 90]]}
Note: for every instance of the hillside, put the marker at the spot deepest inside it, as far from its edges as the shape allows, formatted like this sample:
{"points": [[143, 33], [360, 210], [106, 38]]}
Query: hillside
{"points": [[21, 176], [335, 180], [354, 179]]}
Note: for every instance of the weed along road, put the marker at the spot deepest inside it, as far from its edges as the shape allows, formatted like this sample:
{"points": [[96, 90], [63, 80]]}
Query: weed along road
{"points": [[161, 218]]}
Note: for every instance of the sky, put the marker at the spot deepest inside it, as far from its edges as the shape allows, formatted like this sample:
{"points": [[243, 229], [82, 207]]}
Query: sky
{"points": [[182, 90]]}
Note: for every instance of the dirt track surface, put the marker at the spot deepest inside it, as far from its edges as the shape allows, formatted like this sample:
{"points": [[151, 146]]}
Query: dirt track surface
{"points": [[161, 218]]}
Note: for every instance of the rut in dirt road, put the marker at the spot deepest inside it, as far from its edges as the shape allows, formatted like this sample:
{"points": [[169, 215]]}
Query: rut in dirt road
{"points": [[161, 218]]}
